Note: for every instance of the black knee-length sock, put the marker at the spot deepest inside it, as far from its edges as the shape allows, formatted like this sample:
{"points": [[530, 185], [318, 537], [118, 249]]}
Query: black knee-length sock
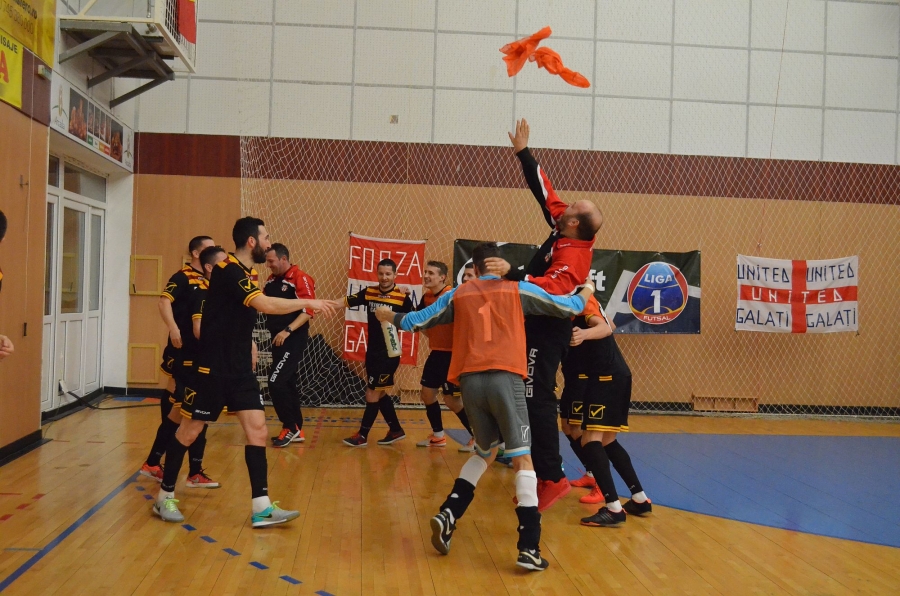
{"points": [[578, 450], [196, 451], [621, 461], [258, 468], [459, 498], [433, 413], [164, 435], [174, 459], [598, 464], [464, 418], [386, 405], [529, 528], [368, 418]]}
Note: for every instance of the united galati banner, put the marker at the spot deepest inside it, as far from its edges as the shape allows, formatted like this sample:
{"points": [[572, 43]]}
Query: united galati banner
{"points": [[780, 296], [364, 255]]}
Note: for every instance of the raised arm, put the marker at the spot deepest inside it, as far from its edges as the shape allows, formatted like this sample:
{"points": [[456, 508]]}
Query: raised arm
{"points": [[284, 306], [535, 301], [439, 313], [538, 181]]}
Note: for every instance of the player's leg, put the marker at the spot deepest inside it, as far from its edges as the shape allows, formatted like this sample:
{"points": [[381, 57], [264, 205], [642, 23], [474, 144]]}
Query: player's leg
{"points": [[386, 404], [454, 402], [547, 340], [299, 343], [283, 391], [596, 422], [429, 397], [570, 424], [619, 402], [152, 466], [486, 434]]}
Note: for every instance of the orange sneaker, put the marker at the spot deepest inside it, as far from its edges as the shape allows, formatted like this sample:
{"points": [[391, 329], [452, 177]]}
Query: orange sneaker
{"points": [[593, 498], [155, 472], [201, 480], [586, 481], [550, 492], [433, 441], [299, 438]]}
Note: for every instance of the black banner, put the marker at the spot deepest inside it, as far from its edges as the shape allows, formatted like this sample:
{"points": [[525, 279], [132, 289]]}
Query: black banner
{"points": [[641, 291]]}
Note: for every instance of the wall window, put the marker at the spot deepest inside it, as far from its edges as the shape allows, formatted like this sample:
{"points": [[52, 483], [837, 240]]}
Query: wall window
{"points": [[53, 171], [84, 183]]}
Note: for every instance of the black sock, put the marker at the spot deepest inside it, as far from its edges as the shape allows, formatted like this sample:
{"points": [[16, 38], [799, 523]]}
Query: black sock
{"points": [[164, 435], [464, 418], [577, 449], [386, 405], [433, 413], [598, 464], [255, 456], [368, 418], [174, 459], [459, 498], [621, 461], [529, 528], [195, 451]]}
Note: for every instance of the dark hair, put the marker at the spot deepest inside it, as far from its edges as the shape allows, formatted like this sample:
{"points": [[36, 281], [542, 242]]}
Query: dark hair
{"points": [[208, 255], [3, 225], [469, 265], [196, 242], [483, 251], [441, 267], [388, 263], [281, 251], [244, 229]]}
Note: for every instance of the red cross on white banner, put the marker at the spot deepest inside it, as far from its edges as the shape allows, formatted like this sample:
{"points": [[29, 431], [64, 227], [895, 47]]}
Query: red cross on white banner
{"points": [[781, 296]]}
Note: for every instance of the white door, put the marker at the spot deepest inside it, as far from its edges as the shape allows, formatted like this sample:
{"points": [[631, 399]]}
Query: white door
{"points": [[92, 331], [48, 378]]}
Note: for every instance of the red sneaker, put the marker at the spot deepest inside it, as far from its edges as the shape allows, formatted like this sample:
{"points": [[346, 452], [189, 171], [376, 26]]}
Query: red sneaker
{"points": [[593, 498], [550, 492], [155, 472], [586, 481], [201, 480]]}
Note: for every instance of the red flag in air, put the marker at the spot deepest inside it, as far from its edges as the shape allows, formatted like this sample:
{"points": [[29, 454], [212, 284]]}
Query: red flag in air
{"points": [[187, 20], [526, 49]]}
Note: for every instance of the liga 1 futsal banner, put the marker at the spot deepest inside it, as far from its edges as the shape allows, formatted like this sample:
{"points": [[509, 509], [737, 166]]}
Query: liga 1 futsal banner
{"points": [[781, 296], [641, 291], [364, 256]]}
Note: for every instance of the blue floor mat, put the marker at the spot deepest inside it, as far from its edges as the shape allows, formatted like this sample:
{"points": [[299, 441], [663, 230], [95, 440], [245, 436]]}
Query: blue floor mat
{"points": [[844, 487]]}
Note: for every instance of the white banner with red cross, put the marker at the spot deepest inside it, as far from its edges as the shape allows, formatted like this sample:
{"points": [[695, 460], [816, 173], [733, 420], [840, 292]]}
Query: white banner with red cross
{"points": [[363, 258], [780, 296]]}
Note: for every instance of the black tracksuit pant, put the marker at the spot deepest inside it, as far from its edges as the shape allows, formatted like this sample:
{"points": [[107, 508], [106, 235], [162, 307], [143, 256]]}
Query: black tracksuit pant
{"points": [[283, 379]]}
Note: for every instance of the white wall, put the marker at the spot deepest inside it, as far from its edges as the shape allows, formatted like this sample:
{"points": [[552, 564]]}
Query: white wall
{"points": [[805, 79]]}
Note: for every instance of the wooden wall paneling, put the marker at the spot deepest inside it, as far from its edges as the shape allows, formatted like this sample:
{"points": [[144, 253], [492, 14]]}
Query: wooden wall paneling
{"points": [[23, 153]]}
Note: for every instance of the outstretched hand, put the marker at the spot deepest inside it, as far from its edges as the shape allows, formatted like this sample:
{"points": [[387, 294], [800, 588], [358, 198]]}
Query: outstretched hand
{"points": [[496, 266], [325, 307], [520, 139], [384, 314]]}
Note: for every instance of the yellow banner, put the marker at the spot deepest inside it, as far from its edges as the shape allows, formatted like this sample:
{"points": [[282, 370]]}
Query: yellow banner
{"points": [[10, 70], [33, 22]]}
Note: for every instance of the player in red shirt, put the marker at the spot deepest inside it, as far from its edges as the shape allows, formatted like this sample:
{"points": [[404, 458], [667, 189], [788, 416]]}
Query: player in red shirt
{"points": [[562, 263]]}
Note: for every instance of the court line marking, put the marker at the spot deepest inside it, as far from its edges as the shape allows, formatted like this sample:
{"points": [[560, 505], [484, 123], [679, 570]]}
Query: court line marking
{"points": [[65, 534]]}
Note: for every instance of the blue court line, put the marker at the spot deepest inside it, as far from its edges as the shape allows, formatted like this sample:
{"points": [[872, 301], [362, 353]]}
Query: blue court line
{"points": [[324, 593], [65, 534], [258, 565], [231, 552], [209, 539], [188, 527], [290, 580]]}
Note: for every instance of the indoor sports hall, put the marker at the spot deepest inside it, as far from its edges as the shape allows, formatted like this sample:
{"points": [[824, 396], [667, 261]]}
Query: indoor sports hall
{"points": [[703, 296]]}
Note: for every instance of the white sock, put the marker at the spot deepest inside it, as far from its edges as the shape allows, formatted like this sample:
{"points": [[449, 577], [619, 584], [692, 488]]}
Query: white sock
{"points": [[591, 474], [163, 495], [473, 469], [614, 506], [438, 435], [639, 497], [526, 488], [260, 504]]}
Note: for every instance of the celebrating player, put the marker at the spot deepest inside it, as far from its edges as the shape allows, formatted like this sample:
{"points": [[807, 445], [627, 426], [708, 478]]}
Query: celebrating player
{"points": [[489, 363], [562, 263], [594, 408], [225, 376], [289, 336], [6, 345], [380, 368], [175, 310], [434, 373]]}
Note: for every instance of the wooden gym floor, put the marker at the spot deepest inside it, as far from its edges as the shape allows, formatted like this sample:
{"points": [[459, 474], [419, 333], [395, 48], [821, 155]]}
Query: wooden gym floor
{"points": [[74, 519]]}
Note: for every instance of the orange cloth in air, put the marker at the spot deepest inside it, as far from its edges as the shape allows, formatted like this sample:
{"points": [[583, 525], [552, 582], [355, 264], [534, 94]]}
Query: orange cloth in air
{"points": [[518, 52], [547, 58], [440, 337], [489, 329]]}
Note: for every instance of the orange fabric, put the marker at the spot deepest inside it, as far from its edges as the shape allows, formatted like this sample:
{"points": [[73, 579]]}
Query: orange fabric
{"points": [[440, 338], [591, 309], [518, 52], [490, 329], [547, 58]]}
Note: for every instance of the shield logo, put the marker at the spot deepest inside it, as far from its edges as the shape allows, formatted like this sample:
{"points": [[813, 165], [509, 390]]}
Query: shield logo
{"points": [[596, 412], [189, 395]]}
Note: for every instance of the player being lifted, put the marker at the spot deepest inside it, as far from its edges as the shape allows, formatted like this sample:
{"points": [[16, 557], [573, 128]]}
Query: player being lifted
{"points": [[489, 363], [434, 373], [290, 334], [175, 309], [594, 407], [562, 263], [225, 376], [380, 368]]}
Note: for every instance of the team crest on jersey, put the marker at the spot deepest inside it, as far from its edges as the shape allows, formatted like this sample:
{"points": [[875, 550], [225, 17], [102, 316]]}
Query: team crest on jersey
{"points": [[284, 287], [171, 288], [189, 395], [657, 293], [383, 378], [247, 284]]}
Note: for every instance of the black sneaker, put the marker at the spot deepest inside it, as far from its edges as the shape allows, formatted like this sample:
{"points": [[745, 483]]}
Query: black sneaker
{"points": [[639, 509], [392, 437], [532, 559], [284, 439], [356, 440], [442, 531], [604, 519]]}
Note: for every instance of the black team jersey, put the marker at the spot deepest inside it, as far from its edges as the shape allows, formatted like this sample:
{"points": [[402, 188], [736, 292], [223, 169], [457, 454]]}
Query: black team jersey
{"points": [[371, 298], [600, 357], [190, 345], [228, 320], [181, 285]]}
